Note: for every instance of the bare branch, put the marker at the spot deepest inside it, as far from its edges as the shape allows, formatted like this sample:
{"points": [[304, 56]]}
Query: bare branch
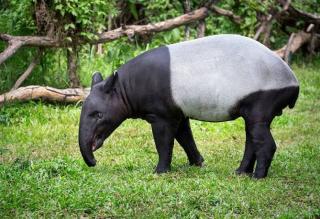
{"points": [[235, 18], [132, 30], [30, 68], [292, 15], [12, 48], [287, 49], [266, 24], [263, 27], [299, 14], [15, 42], [297, 40], [129, 30], [42, 41]]}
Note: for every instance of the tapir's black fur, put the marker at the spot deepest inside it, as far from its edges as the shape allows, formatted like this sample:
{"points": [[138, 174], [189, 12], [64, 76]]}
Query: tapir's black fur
{"points": [[141, 89]]}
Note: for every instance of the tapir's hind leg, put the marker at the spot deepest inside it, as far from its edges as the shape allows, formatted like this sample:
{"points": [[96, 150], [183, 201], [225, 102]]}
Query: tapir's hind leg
{"points": [[260, 147], [264, 146], [249, 157], [185, 138], [258, 111]]}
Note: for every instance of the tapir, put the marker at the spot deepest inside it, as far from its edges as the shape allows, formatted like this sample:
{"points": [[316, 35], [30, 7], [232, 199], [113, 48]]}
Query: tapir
{"points": [[216, 78]]}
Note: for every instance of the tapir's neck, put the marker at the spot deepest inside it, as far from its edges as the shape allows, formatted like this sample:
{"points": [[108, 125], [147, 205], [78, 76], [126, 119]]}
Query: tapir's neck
{"points": [[125, 107]]}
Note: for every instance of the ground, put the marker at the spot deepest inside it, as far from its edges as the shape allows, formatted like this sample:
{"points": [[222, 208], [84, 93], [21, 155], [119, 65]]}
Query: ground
{"points": [[42, 173]]}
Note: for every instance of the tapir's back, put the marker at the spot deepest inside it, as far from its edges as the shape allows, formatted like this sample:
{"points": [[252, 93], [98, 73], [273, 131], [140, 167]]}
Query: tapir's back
{"points": [[209, 76]]}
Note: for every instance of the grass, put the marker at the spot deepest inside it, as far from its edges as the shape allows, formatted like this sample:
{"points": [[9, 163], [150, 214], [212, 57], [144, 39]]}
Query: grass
{"points": [[42, 173]]}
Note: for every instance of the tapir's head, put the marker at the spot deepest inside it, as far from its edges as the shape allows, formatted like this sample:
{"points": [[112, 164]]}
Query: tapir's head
{"points": [[102, 112]]}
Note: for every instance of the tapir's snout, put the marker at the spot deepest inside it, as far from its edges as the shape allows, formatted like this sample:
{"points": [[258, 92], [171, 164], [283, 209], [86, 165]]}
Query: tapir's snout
{"points": [[90, 141], [86, 143], [87, 153], [91, 163]]}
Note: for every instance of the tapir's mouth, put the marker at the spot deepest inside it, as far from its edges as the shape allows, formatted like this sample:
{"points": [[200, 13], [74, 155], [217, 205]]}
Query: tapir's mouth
{"points": [[97, 142]]}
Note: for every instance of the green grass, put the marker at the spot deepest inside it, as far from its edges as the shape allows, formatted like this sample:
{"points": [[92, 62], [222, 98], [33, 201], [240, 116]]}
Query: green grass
{"points": [[42, 173]]}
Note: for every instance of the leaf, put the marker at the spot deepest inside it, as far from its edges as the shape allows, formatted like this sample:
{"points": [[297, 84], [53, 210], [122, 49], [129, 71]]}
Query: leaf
{"points": [[59, 7], [133, 10], [69, 39]]}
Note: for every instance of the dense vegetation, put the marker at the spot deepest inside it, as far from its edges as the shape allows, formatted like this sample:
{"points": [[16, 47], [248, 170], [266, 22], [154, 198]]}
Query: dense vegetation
{"points": [[74, 21], [42, 173]]}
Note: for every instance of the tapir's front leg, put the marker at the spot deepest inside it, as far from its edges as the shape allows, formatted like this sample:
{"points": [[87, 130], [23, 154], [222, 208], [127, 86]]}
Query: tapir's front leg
{"points": [[163, 134], [185, 138]]}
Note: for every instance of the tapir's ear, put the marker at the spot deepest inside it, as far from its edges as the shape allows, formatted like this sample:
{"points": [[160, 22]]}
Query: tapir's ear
{"points": [[96, 78], [110, 81]]}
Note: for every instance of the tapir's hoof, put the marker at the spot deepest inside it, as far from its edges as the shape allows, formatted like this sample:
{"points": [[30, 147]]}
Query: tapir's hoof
{"points": [[161, 170], [240, 171], [198, 163], [259, 175]]}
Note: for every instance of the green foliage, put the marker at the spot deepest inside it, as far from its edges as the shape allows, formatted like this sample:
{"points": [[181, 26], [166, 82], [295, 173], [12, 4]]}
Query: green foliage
{"points": [[16, 17], [84, 19], [52, 70], [43, 175], [311, 6], [118, 52], [87, 17], [159, 10]]}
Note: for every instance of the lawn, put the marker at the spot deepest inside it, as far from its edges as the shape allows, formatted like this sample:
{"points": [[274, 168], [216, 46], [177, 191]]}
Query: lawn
{"points": [[42, 173]]}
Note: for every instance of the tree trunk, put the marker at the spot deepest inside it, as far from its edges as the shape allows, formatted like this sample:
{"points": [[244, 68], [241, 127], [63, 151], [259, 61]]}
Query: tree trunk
{"points": [[99, 49], [73, 67], [186, 9], [201, 28]]}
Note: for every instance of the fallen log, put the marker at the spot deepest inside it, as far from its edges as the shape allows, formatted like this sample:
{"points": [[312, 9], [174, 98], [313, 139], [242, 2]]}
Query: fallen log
{"points": [[69, 95]]}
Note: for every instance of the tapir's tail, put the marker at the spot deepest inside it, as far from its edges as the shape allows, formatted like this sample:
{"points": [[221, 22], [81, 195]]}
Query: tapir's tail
{"points": [[293, 97]]}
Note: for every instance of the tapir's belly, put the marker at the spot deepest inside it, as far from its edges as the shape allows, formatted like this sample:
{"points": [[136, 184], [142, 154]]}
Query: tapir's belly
{"points": [[208, 78]]}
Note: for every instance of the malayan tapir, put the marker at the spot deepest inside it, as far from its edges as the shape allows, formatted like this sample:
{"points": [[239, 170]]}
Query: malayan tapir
{"points": [[216, 78]]}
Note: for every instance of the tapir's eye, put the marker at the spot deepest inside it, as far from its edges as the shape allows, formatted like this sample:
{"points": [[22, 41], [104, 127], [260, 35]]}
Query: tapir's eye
{"points": [[99, 115]]}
